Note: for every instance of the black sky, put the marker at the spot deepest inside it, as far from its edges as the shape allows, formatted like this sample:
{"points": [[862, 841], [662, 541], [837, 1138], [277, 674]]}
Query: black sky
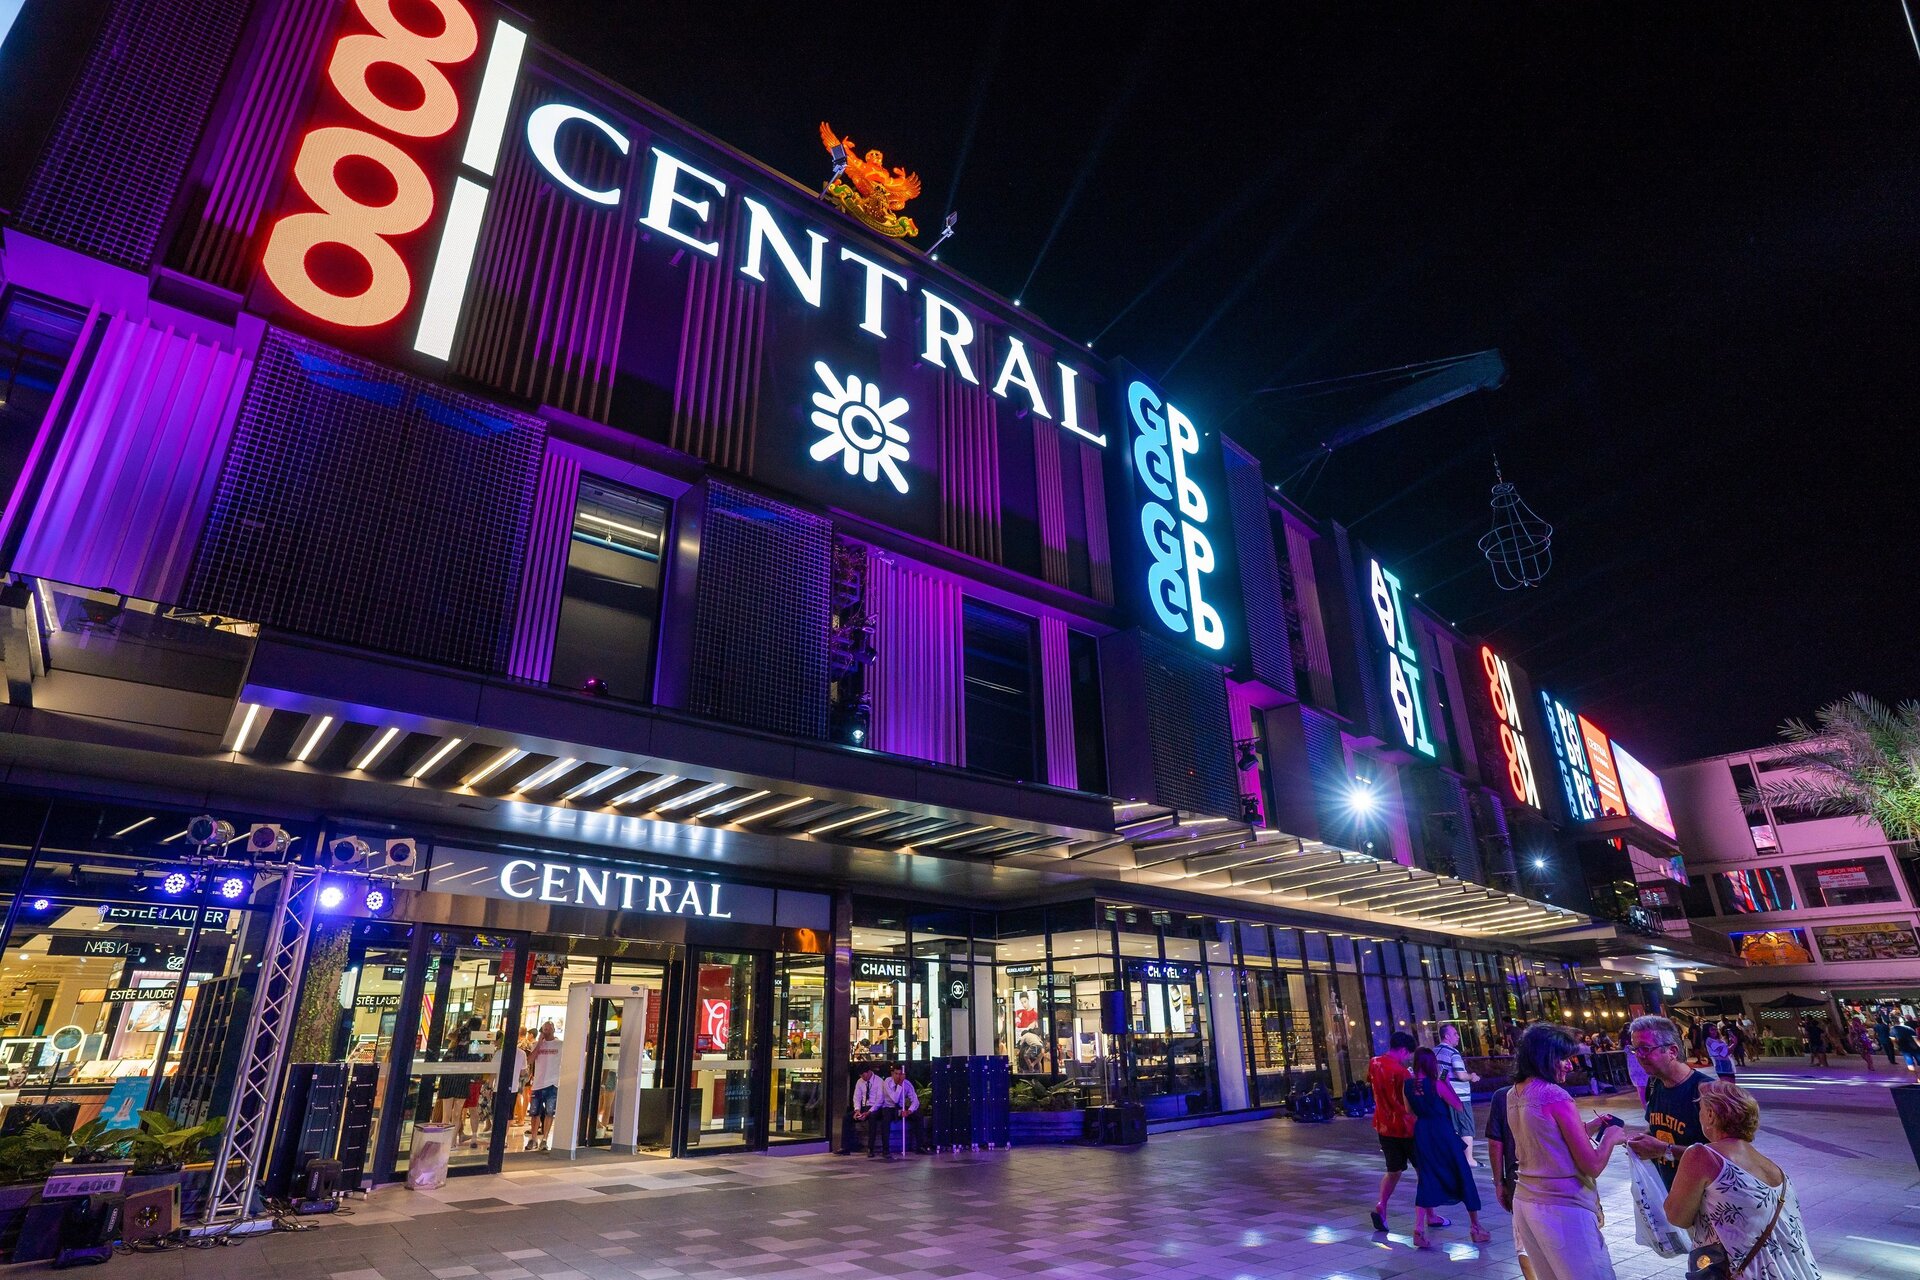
{"points": [[1692, 229]]}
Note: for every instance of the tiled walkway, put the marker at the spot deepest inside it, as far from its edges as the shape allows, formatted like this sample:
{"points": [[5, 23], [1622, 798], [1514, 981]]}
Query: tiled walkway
{"points": [[1271, 1198]]}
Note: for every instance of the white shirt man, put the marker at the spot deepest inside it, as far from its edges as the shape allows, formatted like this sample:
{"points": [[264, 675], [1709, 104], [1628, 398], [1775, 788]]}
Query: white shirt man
{"points": [[897, 1100], [866, 1093], [896, 1091]]}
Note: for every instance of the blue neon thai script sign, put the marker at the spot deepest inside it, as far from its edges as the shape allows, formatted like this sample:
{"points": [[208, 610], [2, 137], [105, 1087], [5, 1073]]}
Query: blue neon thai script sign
{"points": [[1404, 675], [1576, 779]]}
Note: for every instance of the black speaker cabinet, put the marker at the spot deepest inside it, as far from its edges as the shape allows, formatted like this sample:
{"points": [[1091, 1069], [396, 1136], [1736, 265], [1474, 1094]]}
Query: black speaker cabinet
{"points": [[1114, 1011]]}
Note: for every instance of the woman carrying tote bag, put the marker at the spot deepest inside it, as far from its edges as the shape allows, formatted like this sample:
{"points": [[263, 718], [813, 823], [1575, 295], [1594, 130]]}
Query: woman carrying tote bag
{"points": [[1740, 1206]]}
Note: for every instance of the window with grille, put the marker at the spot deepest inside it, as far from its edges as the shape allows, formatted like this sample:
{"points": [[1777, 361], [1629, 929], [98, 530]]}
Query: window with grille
{"points": [[610, 604]]}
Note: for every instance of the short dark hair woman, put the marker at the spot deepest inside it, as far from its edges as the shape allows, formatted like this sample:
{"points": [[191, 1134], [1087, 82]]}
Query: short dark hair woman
{"points": [[1556, 1208], [1438, 1156]]}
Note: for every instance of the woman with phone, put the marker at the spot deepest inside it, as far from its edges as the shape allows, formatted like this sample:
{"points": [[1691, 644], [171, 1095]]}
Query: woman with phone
{"points": [[1556, 1207]]}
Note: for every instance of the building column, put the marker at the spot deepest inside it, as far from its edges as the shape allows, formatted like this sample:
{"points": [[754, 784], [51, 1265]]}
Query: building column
{"points": [[839, 1088]]}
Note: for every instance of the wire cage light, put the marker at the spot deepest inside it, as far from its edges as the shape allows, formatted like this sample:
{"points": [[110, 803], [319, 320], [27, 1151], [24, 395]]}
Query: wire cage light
{"points": [[1519, 547]]}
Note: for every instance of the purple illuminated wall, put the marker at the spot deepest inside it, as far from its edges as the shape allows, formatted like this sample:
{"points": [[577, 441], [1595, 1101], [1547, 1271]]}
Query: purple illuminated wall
{"points": [[134, 472], [969, 469], [918, 681], [549, 535], [1056, 688], [243, 159]]}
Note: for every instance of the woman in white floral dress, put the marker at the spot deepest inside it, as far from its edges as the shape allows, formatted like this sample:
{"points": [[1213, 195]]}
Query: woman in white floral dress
{"points": [[1726, 1191]]}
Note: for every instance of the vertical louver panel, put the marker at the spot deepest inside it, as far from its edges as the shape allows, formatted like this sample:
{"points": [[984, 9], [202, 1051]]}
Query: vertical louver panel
{"points": [[969, 469], [370, 507], [1093, 490], [1056, 688], [247, 148], [1241, 713], [761, 612], [1313, 624], [716, 394], [135, 470], [1362, 640], [1327, 765], [1051, 503], [1269, 656], [544, 572], [1191, 737], [123, 143], [549, 294], [918, 681]]}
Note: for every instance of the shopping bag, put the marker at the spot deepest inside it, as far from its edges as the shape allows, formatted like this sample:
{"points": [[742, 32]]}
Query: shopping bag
{"points": [[1650, 1225]]}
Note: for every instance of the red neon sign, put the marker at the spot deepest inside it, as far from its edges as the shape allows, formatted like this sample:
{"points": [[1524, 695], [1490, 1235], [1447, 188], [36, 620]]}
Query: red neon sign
{"points": [[337, 260], [1513, 743]]}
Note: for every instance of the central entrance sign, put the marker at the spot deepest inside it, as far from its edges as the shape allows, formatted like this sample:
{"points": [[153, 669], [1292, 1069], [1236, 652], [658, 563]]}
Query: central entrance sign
{"points": [[563, 882]]}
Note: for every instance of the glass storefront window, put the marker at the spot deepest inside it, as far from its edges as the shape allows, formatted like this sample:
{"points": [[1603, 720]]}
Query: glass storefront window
{"points": [[1020, 1029], [800, 995], [720, 1084], [1255, 940]]}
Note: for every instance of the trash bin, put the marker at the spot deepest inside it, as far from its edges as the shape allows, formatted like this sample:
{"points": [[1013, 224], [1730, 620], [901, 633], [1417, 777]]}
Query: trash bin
{"points": [[1906, 1100], [427, 1161]]}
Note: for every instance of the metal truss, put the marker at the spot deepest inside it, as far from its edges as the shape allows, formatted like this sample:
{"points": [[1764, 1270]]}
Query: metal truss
{"points": [[243, 1146]]}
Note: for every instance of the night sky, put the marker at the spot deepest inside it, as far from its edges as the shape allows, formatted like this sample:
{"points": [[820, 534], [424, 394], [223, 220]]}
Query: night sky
{"points": [[1691, 229]]}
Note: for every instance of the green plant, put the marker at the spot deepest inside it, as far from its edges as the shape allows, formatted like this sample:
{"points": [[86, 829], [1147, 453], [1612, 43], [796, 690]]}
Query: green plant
{"points": [[95, 1143], [160, 1145], [29, 1156], [1862, 760], [1036, 1095]]}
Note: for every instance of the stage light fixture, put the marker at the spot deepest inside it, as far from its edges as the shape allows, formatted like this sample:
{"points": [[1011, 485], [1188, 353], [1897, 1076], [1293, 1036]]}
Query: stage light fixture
{"points": [[346, 851], [176, 883], [207, 829], [41, 904], [1361, 799], [402, 854], [376, 899], [265, 840], [331, 896], [233, 888]]}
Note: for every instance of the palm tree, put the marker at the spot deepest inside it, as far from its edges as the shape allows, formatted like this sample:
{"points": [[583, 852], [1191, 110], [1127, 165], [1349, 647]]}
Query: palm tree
{"points": [[1862, 760]]}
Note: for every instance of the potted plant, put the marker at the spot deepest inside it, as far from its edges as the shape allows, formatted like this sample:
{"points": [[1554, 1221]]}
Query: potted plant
{"points": [[166, 1153], [1041, 1113], [26, 1158], [96, 1143]]}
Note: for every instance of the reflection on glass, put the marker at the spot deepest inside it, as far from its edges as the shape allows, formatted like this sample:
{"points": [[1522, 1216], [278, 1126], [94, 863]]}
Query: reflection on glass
{"points": [[721, 1102], [800, 996], [456, 1062]]}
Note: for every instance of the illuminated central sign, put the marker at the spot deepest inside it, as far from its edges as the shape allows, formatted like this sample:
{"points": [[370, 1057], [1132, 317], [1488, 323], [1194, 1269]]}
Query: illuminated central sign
{"points": [[1403, 661], [1513, 742], [1576, 781], [862, 428], [1606, 781], [1175, 518]]}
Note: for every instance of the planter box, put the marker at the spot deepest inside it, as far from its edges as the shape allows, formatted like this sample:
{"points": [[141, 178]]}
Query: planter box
{"points": [[1167, 1106], [14, 1202], [1041, 1128]]}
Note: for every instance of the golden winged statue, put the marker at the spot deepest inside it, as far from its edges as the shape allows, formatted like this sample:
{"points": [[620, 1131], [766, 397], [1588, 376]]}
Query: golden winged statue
{"points": [[869, 190]]}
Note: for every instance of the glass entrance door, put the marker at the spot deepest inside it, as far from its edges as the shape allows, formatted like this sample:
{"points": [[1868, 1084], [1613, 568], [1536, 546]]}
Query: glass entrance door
{"points": [[468, 994], [618, 1051], [727, 1089]]}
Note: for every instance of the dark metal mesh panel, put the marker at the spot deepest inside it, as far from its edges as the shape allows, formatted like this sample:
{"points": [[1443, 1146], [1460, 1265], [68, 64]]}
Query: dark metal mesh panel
{"points": [[761, 612], [1192, 735], [1327, 766], [1269, 653], [370, 507], [126, 136]]}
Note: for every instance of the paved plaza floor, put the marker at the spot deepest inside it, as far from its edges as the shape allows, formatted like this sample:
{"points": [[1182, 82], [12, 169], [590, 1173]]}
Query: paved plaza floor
{"points": [[1269, 1198]]}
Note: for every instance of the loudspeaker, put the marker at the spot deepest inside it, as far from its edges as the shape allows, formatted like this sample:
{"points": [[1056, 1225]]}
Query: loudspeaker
{"points": [[1114, 1012], [150, 1215]]}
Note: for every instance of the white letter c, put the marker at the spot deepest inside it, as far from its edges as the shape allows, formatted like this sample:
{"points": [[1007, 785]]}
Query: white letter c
{"points": [[543, 133]]}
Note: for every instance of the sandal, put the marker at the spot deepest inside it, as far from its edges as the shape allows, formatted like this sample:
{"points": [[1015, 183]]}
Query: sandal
{"points": [[1480, 1235], [1420, 1240]]}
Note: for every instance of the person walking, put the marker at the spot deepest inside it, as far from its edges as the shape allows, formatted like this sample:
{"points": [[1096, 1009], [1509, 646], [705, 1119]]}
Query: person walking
{"points": [[1737, 1038], [1556, 1207], [1444, 1175], [1453, 1069], [1719, 1052], [1387, 1074], [1673, 1094], [1730, 1194], [1696, 1043], [1883, 1033], [1860, 1040], [1816, 1034], [1906, 1042]]}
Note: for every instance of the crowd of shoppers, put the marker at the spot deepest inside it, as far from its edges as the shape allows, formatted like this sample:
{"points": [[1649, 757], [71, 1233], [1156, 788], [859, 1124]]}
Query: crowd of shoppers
{"points": [[1723, 1195]]}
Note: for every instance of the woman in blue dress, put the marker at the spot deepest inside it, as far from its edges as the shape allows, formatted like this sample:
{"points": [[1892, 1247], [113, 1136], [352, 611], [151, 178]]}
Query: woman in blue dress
{"points": [[1445, 1177]]}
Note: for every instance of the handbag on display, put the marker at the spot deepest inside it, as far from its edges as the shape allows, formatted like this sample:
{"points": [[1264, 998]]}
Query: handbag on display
{"points": [[1710, 1261]]}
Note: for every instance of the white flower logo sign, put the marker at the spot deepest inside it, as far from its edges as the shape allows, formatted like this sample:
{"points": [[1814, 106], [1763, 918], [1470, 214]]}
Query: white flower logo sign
{"points": [[866, 433]]}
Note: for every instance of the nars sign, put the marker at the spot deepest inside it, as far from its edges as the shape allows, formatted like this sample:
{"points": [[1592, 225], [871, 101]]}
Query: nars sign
{"points": [[604, 886]]}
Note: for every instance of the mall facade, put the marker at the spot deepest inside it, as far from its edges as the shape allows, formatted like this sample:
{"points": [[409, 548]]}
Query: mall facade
{"points": [[479, 552]]}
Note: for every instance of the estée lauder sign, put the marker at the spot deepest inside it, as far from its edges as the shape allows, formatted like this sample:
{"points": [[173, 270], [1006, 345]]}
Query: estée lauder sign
{"points": [[560, 882]]}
